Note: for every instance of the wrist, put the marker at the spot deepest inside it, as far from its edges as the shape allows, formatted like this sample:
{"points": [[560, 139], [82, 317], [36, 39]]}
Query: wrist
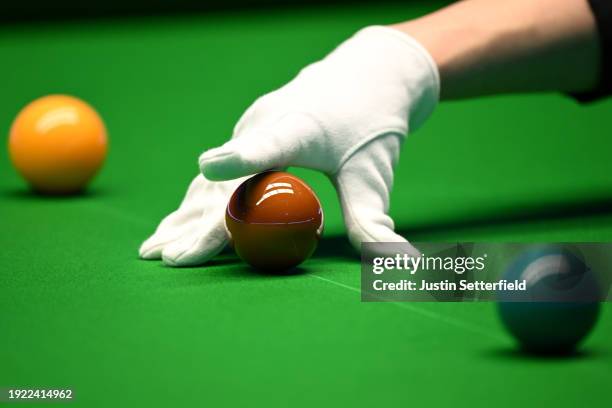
{"points": [[483, 47]]}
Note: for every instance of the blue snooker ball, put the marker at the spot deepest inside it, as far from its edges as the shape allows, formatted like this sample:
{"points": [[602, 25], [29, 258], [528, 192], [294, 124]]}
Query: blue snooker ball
{"points": [[560, 305]]}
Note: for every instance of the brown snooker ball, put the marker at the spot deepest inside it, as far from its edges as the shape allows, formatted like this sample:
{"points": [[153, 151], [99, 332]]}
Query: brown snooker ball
{"points": [[274, 220]]}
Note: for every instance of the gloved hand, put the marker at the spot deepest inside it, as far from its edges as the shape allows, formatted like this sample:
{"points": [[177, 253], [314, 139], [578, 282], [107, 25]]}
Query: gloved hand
{"points": [[195, 232], [345, 115]]}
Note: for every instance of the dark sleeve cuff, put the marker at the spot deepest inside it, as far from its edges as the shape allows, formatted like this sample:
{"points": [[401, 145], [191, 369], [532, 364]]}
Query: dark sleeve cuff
{"points": [[602, 10]]}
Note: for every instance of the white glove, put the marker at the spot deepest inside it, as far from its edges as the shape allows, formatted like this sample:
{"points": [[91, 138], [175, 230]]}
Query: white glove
{"points": [[345, 115], [195, 232]]}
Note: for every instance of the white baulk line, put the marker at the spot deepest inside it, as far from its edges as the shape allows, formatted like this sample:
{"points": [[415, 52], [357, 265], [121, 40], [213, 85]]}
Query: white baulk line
{"points": [[427, 313]]}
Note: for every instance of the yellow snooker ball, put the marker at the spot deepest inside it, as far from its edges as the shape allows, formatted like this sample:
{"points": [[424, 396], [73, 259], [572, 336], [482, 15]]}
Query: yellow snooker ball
{"points": [[57, 143]]}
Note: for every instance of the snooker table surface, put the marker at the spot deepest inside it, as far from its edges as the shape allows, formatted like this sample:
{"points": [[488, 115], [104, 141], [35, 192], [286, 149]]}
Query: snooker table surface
{"points": [[79, 309]]}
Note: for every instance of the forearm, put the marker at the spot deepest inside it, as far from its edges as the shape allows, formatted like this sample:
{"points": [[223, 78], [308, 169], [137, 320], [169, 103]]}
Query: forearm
{"points": [[487, 47]]}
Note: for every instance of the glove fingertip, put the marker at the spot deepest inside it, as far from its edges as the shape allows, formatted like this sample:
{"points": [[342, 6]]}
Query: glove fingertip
{"points": [[150, 252], [221, 167]]}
